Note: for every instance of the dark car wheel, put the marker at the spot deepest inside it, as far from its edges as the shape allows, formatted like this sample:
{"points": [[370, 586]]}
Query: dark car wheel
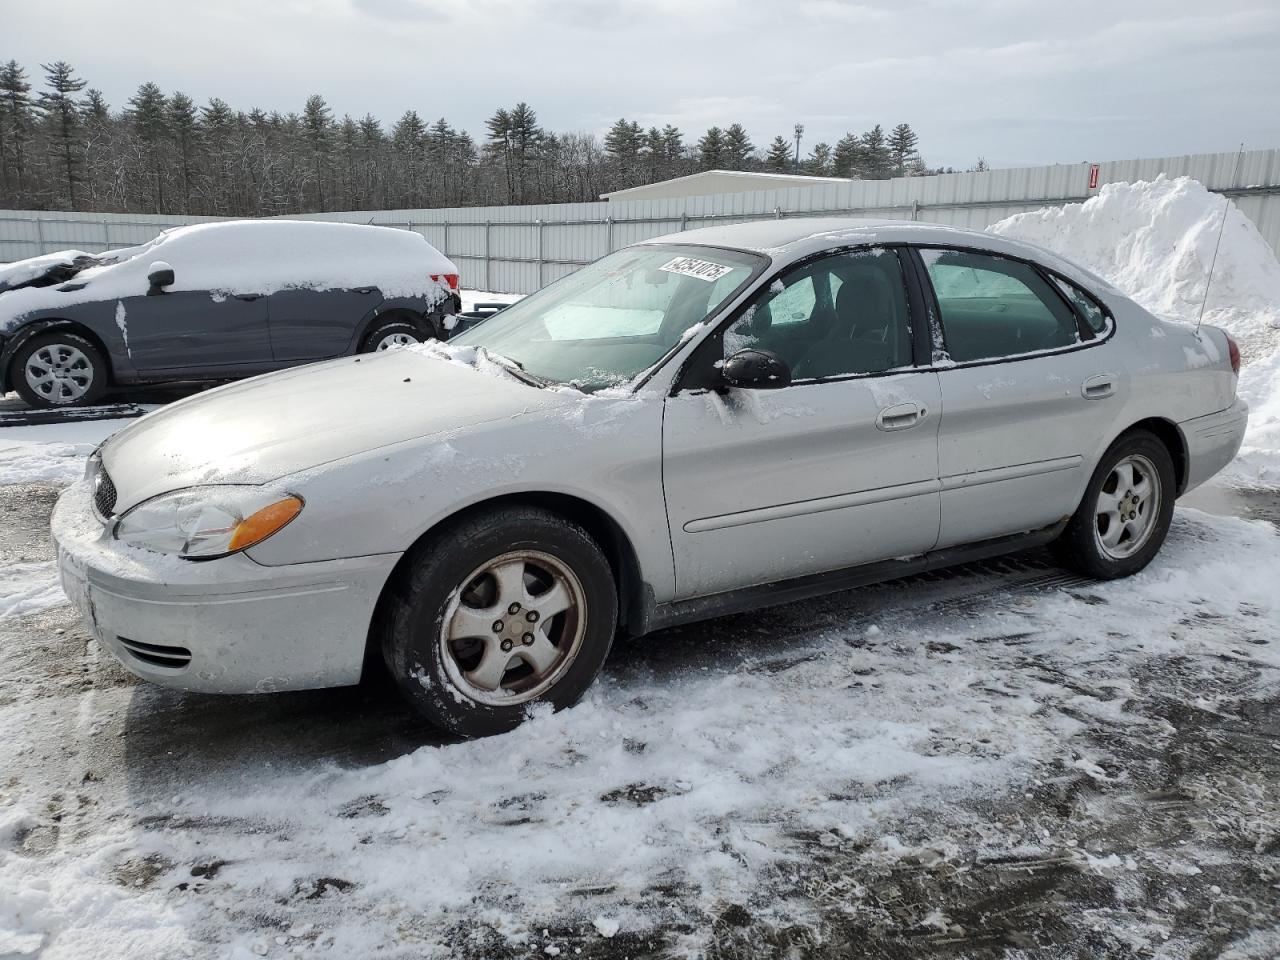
{"points": [[495, 613], [58, 369], [396, 333], [1126, 511]]}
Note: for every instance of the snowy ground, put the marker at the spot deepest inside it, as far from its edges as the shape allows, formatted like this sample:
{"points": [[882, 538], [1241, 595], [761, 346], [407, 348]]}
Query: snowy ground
{"points": [[1003, 760]]}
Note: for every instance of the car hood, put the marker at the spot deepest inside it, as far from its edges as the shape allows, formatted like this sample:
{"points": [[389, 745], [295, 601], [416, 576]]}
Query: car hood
{"points": [[262, 429]]}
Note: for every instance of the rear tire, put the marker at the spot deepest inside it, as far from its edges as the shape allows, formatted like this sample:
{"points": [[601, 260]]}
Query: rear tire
{"points": [[1124, 516], [495, 613], [394, 333], [59, 369]]}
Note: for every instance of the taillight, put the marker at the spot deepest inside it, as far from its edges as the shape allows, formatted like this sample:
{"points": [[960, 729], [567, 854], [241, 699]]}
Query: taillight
{"points": [[1234, 352], [450, 278]]}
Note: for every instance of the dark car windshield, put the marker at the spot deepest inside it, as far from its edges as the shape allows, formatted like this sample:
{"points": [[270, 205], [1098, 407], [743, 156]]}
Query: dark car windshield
{"points": [[49, 275], [615, 318]]}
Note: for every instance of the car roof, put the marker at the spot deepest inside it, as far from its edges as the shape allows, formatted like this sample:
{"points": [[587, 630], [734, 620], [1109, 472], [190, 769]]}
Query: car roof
{"points": [[792, 238]]}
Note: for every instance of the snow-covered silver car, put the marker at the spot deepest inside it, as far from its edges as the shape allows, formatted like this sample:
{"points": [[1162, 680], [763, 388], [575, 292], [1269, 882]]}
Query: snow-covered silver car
{"points": [[694, 425]]}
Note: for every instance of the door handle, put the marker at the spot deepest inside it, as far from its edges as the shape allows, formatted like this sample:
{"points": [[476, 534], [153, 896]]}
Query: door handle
{"points": [[365, 289], [248, 296], [900, 416], [1098, 388]]}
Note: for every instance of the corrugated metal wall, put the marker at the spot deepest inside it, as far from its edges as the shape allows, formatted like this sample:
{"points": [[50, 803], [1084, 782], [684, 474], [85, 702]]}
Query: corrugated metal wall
{"points": [[518, 249]]}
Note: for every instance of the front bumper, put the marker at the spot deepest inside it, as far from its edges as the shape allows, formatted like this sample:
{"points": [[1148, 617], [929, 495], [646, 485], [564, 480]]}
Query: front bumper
{"points": [[218, 626], [1213, 441]]}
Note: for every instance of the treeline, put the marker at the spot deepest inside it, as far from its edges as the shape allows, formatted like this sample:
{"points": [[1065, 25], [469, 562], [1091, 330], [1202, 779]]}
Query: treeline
{"points": [[64, 147]]}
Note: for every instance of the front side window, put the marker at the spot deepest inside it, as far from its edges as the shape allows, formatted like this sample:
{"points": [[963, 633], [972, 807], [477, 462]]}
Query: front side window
{"points": [[612, 320], [992, 307], [843, 315]]}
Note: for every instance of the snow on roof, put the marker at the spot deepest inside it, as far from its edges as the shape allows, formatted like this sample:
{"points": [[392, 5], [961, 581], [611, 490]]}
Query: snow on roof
{"points": [[255, 257]]}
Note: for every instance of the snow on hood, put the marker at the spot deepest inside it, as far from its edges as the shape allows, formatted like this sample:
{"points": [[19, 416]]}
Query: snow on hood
{"points": [[1154, 241], [256, 257], [271, 426], [20, 271]]}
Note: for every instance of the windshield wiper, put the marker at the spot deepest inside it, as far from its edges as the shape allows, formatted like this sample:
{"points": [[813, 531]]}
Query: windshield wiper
{"points": [[516, 368]]}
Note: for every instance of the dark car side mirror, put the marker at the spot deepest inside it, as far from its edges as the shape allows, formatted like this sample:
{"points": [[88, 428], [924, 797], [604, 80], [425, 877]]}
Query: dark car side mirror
{"points": [[161, 276], [755, 369]]}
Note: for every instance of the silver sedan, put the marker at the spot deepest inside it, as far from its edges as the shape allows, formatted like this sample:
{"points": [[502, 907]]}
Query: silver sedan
{"points": [[697, 424]]}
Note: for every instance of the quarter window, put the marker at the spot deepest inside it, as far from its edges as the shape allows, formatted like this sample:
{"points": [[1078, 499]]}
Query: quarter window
{"points": [[1089, 308], [843, 315], [992, 307]]}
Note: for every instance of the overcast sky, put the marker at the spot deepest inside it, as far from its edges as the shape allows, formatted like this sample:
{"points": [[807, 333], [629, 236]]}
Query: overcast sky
{"points": [[1016, 81]]}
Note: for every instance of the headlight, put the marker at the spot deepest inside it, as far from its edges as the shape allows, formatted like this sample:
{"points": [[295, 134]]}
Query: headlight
{"points": [[202, 523]]}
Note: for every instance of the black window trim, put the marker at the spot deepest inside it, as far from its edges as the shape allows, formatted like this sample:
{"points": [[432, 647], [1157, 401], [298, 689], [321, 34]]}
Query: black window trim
{"points": [[1087, 340], [916, 322]]}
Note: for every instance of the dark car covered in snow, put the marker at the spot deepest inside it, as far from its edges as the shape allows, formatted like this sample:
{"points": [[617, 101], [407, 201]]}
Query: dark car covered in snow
{"points": [[217, 301]]}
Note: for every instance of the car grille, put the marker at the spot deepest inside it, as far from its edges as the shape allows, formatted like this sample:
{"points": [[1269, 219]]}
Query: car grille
{"points": [[104, 494], [156, 655]]}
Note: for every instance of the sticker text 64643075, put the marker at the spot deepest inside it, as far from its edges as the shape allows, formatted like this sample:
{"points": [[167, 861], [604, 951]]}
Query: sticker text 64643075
{"points": [[702, 269]]}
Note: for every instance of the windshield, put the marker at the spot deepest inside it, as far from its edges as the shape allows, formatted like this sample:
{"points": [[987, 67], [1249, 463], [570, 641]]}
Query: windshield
{"points": [[615, 318]]}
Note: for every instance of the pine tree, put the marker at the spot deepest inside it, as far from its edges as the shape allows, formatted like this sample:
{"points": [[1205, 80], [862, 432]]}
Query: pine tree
{"points": [[148, 109], [526, 137], [673, 144], [737, 147], [711, 152], [317, 122], [818, 163], [184, 127], [904, 155], [622, 142], [982, 166], [15, 129], [849, 157], [409, 139], [61, 110], [95, 106], [779, 157], [876, 158]]}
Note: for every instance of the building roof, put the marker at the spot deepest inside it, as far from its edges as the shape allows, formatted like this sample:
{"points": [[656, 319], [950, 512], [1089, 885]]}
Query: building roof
{"points": [[733, 181]]}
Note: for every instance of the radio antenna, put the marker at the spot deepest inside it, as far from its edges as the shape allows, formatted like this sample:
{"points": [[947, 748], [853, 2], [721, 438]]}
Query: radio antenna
{"points": [[1226, 208]]}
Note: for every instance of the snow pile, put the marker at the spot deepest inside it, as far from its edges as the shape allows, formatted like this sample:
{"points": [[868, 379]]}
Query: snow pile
{"points": [[1154, 240], [256, 257], [20, 271]]}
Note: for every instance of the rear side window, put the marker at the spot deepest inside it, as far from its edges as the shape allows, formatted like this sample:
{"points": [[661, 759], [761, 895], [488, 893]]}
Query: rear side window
{"points": [[1089, 308], [992, 307]]}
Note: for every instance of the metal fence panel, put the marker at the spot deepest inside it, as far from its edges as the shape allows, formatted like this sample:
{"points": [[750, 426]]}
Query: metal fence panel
{"points": [[517, 249]]}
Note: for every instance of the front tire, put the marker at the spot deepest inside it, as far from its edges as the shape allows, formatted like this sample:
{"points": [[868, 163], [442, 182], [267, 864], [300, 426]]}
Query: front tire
{"points": [[1124, 517], [59, 369], [495, 613]]}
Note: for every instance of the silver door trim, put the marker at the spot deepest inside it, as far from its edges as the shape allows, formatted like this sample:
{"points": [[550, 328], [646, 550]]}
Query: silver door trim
{"points": [[784, 511], [1015, 472]]}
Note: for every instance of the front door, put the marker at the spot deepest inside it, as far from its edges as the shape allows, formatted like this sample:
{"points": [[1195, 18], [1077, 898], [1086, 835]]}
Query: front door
{"points": [[170, 333], [835, 470], [1033, 391]]}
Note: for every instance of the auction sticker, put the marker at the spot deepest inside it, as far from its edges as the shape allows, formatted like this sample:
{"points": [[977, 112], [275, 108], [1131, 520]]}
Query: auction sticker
{"points": [[702, 269]]}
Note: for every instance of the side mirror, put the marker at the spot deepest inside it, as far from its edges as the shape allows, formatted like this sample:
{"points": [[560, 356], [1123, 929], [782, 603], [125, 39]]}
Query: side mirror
{"points": [[160, 276], [755, 369]]}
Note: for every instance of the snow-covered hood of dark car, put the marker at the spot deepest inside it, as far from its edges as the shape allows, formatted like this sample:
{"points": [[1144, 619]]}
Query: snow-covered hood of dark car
{"points": [[271, 426]]}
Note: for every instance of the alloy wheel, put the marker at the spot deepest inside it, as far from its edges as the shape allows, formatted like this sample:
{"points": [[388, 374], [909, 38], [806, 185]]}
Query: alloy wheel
{"points": [[513, 627], [1127, 508], [396, 340]]}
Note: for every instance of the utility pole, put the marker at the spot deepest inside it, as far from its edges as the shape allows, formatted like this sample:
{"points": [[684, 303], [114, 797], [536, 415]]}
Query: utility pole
{"points": [[799, 133]]}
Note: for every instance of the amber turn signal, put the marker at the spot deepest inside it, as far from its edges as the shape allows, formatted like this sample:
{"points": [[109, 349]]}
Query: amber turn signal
{"points": [[258, 526]]}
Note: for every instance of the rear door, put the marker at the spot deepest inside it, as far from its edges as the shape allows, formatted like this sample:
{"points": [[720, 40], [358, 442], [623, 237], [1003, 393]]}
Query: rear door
{"points": [[1029, 389], [311, 324], [168, 333], [835, 470]]}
